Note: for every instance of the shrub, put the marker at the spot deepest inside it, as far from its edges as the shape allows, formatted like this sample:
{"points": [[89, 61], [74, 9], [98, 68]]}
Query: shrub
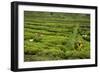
{"points": [[31, 50], [52, 53], [37, 37], [75, 54]]}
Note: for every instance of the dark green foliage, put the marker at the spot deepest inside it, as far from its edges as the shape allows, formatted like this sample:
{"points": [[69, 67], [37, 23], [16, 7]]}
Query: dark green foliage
{"points": [[56, 36]]}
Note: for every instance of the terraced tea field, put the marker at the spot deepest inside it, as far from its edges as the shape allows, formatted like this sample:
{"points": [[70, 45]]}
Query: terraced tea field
{"points": [[56, 36]]}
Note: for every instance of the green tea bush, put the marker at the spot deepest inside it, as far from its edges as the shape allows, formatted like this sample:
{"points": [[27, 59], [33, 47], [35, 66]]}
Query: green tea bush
{"points": [[62, 48], [31, 50], [75, 54], [37, 37], [52, 53]]}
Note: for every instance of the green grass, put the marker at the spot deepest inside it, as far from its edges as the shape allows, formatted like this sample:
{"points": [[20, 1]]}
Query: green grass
{"points": [[56, 36]]}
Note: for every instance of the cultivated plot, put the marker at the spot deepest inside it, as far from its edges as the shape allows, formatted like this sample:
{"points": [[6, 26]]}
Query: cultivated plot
{"points": [[56, 36]]}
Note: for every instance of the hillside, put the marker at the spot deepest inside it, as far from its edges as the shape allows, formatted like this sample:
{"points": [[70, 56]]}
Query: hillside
{"points": [[56, 36]]}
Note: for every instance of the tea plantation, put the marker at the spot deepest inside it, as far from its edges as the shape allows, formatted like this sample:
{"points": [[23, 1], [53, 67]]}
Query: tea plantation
{"points": [[56, 36]]}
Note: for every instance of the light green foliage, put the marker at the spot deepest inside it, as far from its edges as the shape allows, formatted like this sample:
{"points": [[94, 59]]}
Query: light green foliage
{"points": [[56, 36]]}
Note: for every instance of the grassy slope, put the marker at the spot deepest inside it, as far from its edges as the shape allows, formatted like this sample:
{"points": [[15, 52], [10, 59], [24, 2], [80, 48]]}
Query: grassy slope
{"points": [[56, 36]]}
